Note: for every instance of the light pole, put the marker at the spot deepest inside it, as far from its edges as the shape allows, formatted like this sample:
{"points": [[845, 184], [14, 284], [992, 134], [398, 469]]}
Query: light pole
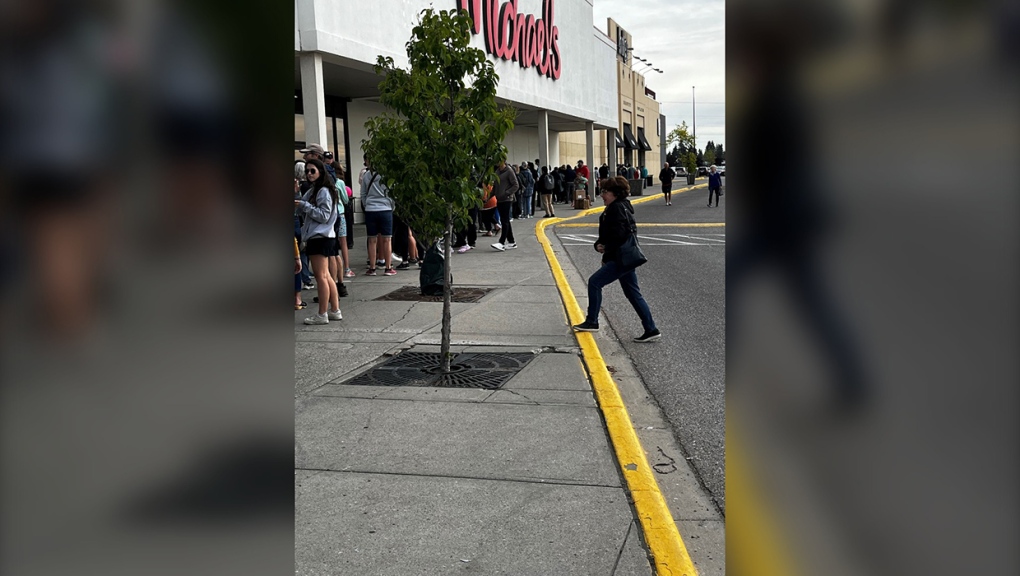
{"points": [[694, 121]]}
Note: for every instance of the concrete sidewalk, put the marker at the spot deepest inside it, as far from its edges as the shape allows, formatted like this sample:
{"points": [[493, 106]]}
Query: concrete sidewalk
{"points": [[407, 480]]}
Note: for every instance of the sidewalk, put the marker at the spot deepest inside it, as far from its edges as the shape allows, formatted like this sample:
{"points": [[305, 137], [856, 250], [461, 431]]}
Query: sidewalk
{"points": [[410, 480]]}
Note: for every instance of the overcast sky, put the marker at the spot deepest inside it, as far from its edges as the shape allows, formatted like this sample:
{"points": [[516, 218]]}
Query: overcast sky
{"points": [[686, 39]]}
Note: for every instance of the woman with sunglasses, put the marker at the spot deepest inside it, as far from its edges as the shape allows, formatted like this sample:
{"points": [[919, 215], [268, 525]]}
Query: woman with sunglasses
{"points": [[318, 205]]}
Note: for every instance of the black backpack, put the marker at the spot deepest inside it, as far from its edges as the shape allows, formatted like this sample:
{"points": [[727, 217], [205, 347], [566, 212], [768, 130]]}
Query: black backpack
{"points": [[547, 182]]}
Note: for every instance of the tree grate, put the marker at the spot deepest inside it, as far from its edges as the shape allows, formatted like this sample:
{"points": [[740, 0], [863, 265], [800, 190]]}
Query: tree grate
{"points": [[488, 371]]}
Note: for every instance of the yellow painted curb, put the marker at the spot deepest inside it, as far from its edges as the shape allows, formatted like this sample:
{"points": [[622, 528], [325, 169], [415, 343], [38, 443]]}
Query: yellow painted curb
{"points": [[661, 534], [643, 199], [752, 527]]}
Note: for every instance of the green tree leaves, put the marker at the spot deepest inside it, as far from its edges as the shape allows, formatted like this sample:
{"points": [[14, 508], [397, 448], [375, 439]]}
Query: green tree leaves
{"points": [[444, 137]]}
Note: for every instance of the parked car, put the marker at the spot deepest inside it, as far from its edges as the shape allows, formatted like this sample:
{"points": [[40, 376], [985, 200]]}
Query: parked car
{"points": [[721, 170], [680, 172], [702, 171]]}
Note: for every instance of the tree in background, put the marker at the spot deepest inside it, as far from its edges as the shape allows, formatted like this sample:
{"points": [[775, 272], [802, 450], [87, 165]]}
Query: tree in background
{"points": [[673, 156], [701, 158], [710, 153], [446, 136], [682, 138], [720, 154]]}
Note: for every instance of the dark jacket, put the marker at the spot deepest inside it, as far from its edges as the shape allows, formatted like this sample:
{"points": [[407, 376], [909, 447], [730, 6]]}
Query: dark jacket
{"points": [[570, 175], [506, 187], [614, 227], [714, 181], [666, 176]]}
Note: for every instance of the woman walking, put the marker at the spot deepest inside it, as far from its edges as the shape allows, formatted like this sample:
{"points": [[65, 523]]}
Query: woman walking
{"points": [[616, 224], [319, 208], [714, 185]]}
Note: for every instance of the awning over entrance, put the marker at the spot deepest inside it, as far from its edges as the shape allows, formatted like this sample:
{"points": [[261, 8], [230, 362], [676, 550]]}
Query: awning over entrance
{"points": [[641, 139], [628, 138], [619, 141]]}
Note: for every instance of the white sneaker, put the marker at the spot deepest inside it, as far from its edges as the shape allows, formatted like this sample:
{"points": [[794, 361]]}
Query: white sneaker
{"points": [[334, 315], [463, 249], [395, 259], [510, 245], [317, 319], [499, 247]]}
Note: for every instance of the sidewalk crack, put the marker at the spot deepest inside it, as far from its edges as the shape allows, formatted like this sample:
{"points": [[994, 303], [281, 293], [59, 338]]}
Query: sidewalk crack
{"points": [[402, 318], [522, 396]]}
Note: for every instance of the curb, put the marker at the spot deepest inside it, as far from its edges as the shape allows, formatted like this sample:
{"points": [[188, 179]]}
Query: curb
{"points": [[661, 534]]}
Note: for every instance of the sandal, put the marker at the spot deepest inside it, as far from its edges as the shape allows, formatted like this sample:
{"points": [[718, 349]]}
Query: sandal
{"points": [[300, 306]]}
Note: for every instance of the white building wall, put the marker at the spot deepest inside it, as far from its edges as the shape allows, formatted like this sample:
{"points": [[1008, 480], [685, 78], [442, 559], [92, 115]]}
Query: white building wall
{"points": [[346, 28]]}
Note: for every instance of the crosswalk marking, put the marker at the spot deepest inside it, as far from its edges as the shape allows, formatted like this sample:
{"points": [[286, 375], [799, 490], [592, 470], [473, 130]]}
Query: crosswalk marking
{"points": [[650, 239]]}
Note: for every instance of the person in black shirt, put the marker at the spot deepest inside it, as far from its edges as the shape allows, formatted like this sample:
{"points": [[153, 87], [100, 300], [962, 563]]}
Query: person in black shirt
{"points": [[666, 177], [616, 225]]}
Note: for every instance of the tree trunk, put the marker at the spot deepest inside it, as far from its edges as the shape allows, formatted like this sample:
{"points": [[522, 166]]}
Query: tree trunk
{"points": [[447, 288]]}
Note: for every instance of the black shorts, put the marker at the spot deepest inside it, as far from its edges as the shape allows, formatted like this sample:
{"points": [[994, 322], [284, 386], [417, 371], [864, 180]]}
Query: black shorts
{"points": [[322, 247]]}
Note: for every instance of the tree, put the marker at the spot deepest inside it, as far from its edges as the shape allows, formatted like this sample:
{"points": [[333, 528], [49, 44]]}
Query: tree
{"points": [[720, 154], [701, 158], [710, 153], [684, 140], [673, 156], [446, 138]]}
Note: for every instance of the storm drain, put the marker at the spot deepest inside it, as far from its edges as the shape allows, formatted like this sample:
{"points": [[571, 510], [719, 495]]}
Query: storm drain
{"points": [[469, 370]]}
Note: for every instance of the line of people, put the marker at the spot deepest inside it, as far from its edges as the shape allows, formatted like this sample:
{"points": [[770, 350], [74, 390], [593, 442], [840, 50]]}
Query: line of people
{"points": [[323, 215]]}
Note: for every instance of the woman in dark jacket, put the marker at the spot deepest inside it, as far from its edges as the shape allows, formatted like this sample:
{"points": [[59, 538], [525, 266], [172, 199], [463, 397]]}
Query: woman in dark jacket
{"points": [[614, 229]]}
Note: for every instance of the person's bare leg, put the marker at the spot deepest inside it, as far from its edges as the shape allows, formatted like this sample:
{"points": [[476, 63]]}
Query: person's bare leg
{"points": [[412, 247], [344, 256], [333, 265], [324, 282], [385, 247], [372, 246]]}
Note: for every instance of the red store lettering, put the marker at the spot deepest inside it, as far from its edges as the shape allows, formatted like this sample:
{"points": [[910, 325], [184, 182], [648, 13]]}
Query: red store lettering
{"points": [[518, 37]]}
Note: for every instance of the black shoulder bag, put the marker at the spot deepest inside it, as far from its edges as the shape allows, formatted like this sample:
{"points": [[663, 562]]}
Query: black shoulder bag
{"points": [[630, 255]]}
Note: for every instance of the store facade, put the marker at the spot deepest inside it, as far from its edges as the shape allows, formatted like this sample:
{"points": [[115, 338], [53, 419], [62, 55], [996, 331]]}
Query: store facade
{"points": [[555, 69], [640, 138]]}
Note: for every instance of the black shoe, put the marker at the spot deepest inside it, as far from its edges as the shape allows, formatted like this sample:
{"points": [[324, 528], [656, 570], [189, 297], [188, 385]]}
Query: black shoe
{"points": [[403, 266], [649, 336], [586, 327], [342, 289]]}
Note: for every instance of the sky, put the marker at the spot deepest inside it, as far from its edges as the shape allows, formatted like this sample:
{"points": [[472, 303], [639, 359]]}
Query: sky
{"points": [[686, 40]]}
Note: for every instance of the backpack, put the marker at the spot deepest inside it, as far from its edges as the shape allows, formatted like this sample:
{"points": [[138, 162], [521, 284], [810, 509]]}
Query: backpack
{"points": [[341, 190], [547, 182]]}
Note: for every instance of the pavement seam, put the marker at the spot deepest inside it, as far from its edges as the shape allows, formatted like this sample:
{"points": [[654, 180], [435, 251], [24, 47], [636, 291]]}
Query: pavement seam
{"points": [[539, 481], [623, 546], [660, 530]]}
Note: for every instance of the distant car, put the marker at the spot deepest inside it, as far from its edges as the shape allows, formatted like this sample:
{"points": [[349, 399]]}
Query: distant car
{"points": [[721, 170], [702, 171], [680, 172]]}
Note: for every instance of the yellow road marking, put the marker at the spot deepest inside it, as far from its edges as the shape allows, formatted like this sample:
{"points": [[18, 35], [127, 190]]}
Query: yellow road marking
{"points": [[661, 534], [652, 225]]}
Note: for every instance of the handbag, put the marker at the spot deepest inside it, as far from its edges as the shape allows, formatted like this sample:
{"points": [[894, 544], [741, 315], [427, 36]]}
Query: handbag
{"points": [[630, 255]]}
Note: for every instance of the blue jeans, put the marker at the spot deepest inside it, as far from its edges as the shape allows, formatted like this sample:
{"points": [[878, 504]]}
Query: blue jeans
{"points": [[610, 272], [527, 207]]}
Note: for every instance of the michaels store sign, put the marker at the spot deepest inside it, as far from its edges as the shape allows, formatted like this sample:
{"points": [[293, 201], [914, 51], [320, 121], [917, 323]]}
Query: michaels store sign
{"points": [[521, 38]]}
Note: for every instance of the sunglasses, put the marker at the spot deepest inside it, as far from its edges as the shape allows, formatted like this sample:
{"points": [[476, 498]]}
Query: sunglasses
{"points": [[311, 171]]}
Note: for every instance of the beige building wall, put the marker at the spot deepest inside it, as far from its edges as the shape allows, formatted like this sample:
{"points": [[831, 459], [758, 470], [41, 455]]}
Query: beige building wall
{"points": [[636, 108]]}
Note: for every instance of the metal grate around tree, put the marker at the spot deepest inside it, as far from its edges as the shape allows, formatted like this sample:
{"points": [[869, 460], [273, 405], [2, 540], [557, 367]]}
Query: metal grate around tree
{"points": [[489, 370]]}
